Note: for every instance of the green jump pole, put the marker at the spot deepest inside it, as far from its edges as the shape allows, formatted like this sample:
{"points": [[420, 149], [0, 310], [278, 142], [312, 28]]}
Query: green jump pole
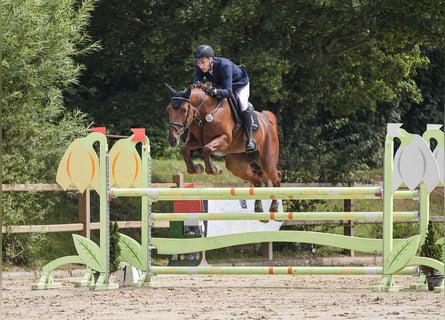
{"points": [[295, 216], [146, 210], [104, 205], [279, 270], [285, 193]]}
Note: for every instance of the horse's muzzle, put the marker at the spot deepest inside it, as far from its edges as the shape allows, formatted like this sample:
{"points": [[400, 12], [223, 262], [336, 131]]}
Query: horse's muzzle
{"points": [[173, 139]]}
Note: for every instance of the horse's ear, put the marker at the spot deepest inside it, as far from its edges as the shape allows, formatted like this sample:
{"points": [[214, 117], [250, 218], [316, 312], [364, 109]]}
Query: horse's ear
{"points": [[187, 93], [170, 90]]}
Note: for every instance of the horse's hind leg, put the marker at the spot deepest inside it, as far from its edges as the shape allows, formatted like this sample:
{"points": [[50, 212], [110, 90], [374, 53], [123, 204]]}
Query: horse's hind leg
{"points": [[258, 206], [273, 206], [240, 165], [257, 172], [271, 173]]}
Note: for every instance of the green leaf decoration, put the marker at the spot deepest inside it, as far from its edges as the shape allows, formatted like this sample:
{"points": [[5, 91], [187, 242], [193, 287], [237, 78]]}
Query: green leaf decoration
{"points": [[90, 253], [402, 254], [131, 252]]}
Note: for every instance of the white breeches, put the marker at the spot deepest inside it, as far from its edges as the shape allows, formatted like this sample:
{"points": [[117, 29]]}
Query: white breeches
{"points": [[243, 96]]}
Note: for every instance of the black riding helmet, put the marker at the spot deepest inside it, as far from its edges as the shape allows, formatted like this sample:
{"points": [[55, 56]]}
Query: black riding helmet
{"points": [[203, 51]]}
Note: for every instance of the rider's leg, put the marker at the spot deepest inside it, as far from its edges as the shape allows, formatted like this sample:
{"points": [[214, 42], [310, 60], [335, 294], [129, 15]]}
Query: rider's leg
{"points": [[247, 118], [248, 121]]}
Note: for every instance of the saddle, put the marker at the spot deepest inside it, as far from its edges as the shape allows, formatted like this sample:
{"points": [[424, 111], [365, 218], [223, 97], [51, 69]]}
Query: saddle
{"points": [[236, 113]]}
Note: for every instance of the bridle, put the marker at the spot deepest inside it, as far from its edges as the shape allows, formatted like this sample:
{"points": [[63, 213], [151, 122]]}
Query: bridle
{"points": [[180, 127]]}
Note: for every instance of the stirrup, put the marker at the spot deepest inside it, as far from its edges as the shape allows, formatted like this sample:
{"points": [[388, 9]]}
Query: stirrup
{"points": [[250, 146]]}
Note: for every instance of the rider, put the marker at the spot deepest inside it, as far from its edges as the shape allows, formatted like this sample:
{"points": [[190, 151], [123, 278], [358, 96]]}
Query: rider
{"points": [[227, 77]]}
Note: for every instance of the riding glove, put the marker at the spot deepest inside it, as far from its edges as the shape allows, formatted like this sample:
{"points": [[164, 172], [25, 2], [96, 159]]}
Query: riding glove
{"points": [[209, 90]]}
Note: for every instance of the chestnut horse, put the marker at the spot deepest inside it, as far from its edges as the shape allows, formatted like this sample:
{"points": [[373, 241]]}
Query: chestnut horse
{"points": [[212, 128]]}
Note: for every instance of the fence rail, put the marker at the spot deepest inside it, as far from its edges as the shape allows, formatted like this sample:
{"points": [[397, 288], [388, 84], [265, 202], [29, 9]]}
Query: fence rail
{"points": [[85, 225]]}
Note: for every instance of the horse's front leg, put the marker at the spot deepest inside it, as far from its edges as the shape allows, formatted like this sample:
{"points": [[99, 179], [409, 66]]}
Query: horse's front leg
{"points": [[186, 149], [216, 145]]}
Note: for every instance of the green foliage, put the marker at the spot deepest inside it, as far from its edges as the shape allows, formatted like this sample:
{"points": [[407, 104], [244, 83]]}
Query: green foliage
{"points": [[123, 86], [431, 249], [115, 249], [431, 83], [40, 42]]}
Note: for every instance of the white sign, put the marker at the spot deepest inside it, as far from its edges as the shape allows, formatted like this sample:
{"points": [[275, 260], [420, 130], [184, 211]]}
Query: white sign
{"points": [[221, 227]]}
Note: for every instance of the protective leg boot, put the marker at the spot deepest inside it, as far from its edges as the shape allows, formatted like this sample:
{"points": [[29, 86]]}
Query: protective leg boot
{"points": [[248, 120]]}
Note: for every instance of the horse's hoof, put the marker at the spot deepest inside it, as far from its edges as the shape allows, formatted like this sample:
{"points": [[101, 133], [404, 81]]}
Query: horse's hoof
{"points": [[214, 170], [273, 206], [199, 169], [258, 206], [217, 170]]}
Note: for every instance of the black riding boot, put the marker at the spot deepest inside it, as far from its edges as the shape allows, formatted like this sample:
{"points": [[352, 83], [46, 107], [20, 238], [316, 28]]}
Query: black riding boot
{"points": [[248, 120]]}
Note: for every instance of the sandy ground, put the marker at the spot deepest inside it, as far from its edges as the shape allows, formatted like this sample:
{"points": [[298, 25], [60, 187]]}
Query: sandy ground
{"points": [[223, 297]]}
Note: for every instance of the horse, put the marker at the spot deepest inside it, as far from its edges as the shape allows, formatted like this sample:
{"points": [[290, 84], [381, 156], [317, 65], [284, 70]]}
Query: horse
{"points": [[213, 128]]}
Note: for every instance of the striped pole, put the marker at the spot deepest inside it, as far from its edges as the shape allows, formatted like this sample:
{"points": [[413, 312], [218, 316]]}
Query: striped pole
{"points": [[294, 216], [289, 270], [285, 193]]}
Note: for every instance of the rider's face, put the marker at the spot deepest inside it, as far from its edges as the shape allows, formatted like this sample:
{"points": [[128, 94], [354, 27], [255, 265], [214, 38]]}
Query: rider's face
{"points": [[205, 64]]}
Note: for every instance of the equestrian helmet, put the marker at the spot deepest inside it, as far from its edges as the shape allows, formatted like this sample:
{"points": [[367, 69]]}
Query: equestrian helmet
{"points": [[203, 51]]}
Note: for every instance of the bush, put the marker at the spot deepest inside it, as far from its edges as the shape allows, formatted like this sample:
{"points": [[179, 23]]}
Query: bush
{"points": [[431, 249]]}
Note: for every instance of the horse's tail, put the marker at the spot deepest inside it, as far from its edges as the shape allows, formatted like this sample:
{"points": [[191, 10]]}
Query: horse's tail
{"points": [[271, 117]]}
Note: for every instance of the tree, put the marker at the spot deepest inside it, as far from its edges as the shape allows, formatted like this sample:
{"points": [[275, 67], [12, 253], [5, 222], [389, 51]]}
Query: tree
{"points": [[333, 71], [41, 40], [123, 86], [431, 83]]}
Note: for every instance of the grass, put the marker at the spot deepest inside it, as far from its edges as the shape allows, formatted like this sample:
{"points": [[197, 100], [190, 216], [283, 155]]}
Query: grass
{"points": [[163, 170]]}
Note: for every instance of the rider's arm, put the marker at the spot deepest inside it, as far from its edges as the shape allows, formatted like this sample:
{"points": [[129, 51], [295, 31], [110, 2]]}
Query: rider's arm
{"points": [[226, 77], [198, 75]]}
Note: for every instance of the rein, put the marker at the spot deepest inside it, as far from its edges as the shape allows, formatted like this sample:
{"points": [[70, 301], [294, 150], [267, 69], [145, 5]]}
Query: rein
{"points": [[208, 118]]}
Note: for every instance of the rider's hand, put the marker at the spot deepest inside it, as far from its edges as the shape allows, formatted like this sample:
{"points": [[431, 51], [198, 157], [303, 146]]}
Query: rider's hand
{"points": [[209, 90]]}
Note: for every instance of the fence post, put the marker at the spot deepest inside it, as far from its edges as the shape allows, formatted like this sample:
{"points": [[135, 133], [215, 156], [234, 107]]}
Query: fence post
{"points": [[85, 213], [178, 179], [267, 250], [348, 227]]}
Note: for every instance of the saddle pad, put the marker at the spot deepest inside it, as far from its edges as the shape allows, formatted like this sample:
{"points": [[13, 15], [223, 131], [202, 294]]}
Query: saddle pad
{"points": [[234, 103]]}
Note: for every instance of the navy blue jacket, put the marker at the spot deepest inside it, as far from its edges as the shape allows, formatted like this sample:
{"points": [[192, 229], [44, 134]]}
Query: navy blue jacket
{"points": [[227, 77]]}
